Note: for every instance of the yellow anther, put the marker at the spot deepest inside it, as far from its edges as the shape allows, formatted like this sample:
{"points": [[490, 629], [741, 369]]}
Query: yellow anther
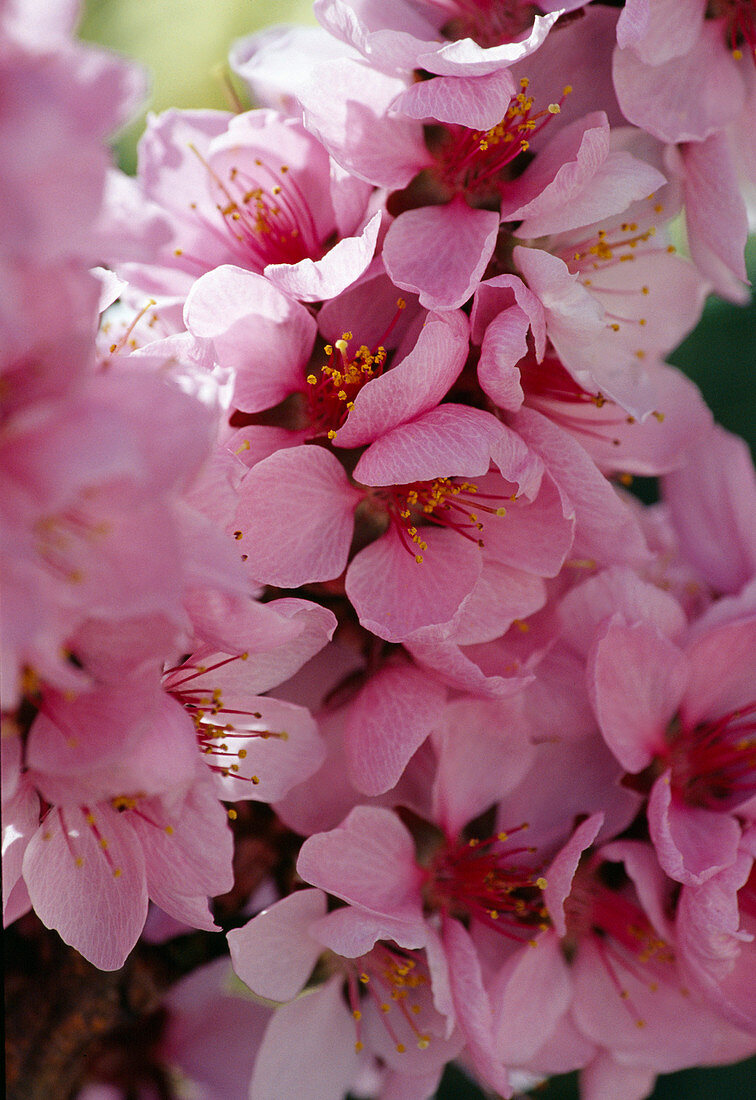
{"points": [[79, 861], [358, 1046], [541, 883], [255, 780], [554, 108], [311, 380], [117, 872], [232, 814]]}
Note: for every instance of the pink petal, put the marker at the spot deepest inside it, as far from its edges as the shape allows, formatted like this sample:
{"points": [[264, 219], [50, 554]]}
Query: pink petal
{"points": [[498, 294], [472, 1006], [94, 896], [605, 1076], [660, 30], [305, 489], [388, 721], [501, 595], [562, 869], [606, 529], [575, 180], [273, 954], [395, 595], [636, 678], [692, 844], [712, 502], [294, 752], [449, 440], [723, 671], [686, 98], [368, 861], [412, 387], [616, 591], [256, 329], [483, 751], [187, 844], [452, 665], [504, 345], [534, 536], [537, 994], [354, 125], [464, 57], [318, 280], [477, 102], [315, 1030], [715, 215], [440, 252]]}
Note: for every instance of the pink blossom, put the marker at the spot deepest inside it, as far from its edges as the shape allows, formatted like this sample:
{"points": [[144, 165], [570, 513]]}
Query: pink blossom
{"points": [[413, 471], [690, 712], [89, 868], [678, 68], [275, 953], [257, 190]]}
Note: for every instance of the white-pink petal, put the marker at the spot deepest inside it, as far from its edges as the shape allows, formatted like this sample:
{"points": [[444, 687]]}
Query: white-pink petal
{"points": [[274, 954]]}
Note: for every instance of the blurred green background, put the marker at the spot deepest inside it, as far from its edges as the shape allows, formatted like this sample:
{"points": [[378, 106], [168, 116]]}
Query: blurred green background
{"points": [[183, 44]]}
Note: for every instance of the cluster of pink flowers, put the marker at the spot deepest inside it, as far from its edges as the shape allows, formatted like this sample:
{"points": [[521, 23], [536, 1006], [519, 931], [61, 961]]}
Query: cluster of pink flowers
{"points": [[328, 511]]}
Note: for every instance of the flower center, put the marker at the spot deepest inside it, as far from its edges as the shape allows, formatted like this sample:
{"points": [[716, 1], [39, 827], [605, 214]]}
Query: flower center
{"points": [[265, 213], [473, 162], [488, 881], [391, 978], [443, 502], [331, 392], [222, 732], [739, 19], [714, 764], [622, 934]]}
